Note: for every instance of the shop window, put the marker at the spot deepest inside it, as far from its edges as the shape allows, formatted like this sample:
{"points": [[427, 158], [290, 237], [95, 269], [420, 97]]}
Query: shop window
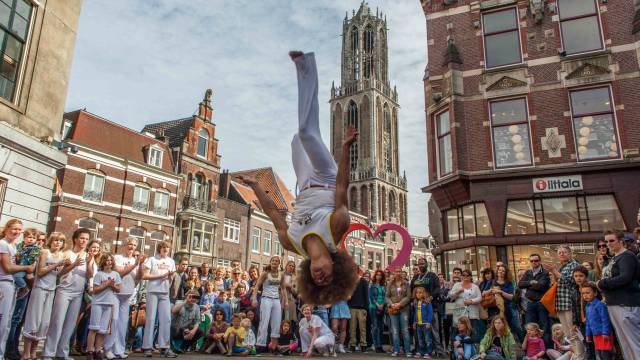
{"points": [[445, 153], [580, 26], [563, 215], [594, 124], [255, 239], [582, 252], [140, 198], [501, 38], [468, 221], [93, 186], [510, 131], [15, 19]]}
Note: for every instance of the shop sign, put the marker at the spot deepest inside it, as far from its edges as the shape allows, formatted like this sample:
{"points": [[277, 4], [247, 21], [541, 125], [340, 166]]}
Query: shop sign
{"points": [[557, 183]]}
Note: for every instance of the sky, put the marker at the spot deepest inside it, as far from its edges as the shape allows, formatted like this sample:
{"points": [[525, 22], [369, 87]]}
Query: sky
{"points": [[139, 62]]}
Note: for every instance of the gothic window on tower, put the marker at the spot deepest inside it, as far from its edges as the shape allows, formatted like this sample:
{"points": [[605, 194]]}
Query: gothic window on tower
{"points": [[501, 38], [388, 158], [368, 40], [355, 47], [352, 119], [444, 150]]}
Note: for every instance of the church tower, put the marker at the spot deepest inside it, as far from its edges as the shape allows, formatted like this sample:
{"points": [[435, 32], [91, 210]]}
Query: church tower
{"points": [[366, 100]]}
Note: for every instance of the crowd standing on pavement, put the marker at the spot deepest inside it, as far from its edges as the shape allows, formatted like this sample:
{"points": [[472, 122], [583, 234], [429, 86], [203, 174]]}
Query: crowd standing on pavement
{"points": [[67, 296]]}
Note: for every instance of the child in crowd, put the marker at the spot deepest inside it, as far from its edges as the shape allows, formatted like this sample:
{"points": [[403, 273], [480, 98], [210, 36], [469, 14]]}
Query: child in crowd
{"points": [[215, 338], [498, 342], [234, 337], [561, 347], [422, 317], [533, 343], [209, 297], [243, 296], [27, 253], [340, 314], [250, 338], [598, 329], [106, 283], [232, 300], [287, 342], [223, 304], [463, 343]]}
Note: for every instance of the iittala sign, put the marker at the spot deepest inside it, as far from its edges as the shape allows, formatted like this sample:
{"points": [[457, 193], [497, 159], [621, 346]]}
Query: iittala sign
{"points": [[557, 183]]}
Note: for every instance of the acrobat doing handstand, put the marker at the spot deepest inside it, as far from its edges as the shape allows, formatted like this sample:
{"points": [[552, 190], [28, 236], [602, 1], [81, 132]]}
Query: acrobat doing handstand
{"points": [[320, 215]]}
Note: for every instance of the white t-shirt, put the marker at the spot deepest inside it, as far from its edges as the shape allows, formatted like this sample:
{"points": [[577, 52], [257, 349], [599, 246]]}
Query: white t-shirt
{"points": [[10, 249], [129, 280], [315, 322], [107, 296], [159, 266], [74, 280]]}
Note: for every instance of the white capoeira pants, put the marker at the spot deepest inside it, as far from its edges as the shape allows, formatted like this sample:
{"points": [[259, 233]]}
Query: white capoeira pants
{"points": [[157, 305], [38, 316], [7, 302], [312, 161], [626, 321], [64, 314], [270, 314], [116, 340], [321, 343], [100, 320]]}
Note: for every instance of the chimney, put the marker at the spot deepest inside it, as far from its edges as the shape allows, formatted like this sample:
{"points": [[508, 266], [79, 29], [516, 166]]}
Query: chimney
{"points": [[225, 183], [205, 111]]}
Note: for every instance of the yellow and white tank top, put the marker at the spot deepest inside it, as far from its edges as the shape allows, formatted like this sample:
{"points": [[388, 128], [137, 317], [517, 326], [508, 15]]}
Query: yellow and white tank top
{"points": [[312, 215]]}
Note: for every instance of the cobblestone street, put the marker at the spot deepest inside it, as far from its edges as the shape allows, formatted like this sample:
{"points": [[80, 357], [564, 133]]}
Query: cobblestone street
{"points": [[190, 356]]}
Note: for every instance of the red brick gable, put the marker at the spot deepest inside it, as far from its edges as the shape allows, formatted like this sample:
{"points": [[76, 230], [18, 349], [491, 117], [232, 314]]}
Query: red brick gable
{"points": [[272, 184], [104, 135]]}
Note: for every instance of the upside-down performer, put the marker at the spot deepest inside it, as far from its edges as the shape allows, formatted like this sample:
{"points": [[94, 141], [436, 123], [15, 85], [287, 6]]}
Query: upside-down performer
{"points": [[320, 215]]}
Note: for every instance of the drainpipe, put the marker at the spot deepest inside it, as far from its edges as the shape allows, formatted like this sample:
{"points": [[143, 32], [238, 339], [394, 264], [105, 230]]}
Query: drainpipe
{"points": [[124, 187], [249, 238]]}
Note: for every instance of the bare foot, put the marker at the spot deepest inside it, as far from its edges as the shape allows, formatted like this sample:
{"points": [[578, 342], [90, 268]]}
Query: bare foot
{"points": [[294, 54]]}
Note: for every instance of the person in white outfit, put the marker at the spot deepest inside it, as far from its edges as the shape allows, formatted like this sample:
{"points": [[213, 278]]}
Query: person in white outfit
{"points": [[10, 233], [105, 284], [38, 315], [321, 213], [315, 334], [158, 270], [273, 289], [130, 269], [68, 298]]}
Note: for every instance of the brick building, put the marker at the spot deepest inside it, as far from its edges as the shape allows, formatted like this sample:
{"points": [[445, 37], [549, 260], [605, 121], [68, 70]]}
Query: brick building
{"points": [[117, 183], [532, 126], [194, 150], [38, 39]]}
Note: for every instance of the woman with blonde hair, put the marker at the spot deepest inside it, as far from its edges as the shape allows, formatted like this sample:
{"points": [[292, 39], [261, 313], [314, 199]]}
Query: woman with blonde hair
{"points": [[38, 315], [10, 233], [271, 304]]}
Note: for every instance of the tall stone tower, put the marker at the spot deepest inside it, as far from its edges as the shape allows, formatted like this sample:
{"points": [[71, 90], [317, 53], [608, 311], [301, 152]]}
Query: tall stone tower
{"points": [[366, 100]]}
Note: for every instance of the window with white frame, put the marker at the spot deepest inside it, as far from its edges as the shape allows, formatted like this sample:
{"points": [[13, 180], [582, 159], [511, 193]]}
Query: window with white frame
{"points": [[140, 198], [15, 19], [510, 133], [445, 152], [155, 237], [276, 248], [184, 234], [66, 129], [501, 38], [267, 242], [93, 186], [255, 239], [594, 124], [202, 237], [579, 26], [161, 203], [91, 224], [155, 156], [224, 263], [203, 141], [231, 230]]}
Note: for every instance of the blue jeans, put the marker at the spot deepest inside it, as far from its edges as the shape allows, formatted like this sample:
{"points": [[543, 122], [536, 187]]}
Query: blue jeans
{"points": [[377, 325], [400, 323], [537, 313], [425, 343], [513, 319], [468, 349], [16, 319], [137, 342]]}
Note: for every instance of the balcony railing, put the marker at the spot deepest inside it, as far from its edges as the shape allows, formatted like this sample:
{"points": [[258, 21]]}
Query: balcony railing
{"points": [[139, 206], [160, 210], [193, 203], [356, 86], [373, 172], [92, 195]]}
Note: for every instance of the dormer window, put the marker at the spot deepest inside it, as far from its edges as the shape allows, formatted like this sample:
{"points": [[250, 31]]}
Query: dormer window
{"points": [[66, 129], [203, 140], [155, 156]]}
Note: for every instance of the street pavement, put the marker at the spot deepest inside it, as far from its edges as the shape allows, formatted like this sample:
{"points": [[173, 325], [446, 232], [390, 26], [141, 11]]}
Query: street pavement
{"points": [[349, 356]]}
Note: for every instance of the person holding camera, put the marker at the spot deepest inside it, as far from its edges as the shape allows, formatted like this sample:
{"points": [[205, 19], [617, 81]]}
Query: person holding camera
{"points": [[185, 322]]}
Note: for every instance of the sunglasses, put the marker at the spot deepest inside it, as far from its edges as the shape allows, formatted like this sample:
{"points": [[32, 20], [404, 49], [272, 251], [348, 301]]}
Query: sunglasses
{"points": [[602, 246], [534, 261]]}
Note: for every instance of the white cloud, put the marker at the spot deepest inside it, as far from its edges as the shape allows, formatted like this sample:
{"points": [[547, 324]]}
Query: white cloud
{"points": [[138, 62]]}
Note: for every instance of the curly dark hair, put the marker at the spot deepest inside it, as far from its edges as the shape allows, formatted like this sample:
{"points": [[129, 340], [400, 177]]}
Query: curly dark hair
{"points": [[345, 278]]}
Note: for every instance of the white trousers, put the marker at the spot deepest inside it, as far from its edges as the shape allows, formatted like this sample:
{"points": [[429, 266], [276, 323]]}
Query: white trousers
{"points": [[626, 321], [321, 343], [270, 314], [100, 319], [64, 315], [116, 340], [312, 161], [38, 315], [157, 305], [7, 302]]}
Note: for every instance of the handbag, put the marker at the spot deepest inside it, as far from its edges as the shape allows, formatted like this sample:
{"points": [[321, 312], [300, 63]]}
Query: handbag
{"points": [[488, 300], [548, 300]]}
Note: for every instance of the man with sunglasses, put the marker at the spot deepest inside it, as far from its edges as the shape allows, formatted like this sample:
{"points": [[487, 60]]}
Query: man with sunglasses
{"points": [[185, 323], [536, 282]]}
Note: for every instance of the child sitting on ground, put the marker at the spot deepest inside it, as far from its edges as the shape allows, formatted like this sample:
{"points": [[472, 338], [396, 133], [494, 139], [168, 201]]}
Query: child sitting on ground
{"points": [[463, 343], [287, 342], [533, 343], [234, 338], [561, 346], [250, 338]]}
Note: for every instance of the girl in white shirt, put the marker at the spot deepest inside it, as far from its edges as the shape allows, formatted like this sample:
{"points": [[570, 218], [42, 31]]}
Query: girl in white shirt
{"points": [[38, 315], [159, 271], [10, 233], [106, 283], [129, 268]]}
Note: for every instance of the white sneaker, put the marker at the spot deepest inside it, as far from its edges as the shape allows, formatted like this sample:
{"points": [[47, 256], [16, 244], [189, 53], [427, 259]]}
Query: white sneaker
{"points": [[341, 349], [109, 355], [409, 355], [394, 354], [332, 351]]}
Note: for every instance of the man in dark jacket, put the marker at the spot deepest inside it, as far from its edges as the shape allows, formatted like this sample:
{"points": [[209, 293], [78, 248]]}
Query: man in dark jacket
{"points": [[431, 283], [358, 306], [536, 282]]}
